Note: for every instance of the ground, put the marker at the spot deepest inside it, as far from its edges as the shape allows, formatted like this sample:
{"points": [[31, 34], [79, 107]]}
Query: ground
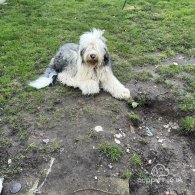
{"points": [[152, 45]]}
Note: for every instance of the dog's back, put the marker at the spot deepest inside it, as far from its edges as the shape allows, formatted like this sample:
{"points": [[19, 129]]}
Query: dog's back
{"points": [[65, 58]]}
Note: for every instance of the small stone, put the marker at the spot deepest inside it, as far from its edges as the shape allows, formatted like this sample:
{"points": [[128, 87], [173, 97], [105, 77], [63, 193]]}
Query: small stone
{"points": [[166, 126], [16, 187], [93, 147], [110, 166], [164, 145], [95, 177], [45, 141], [150, 161], [132, 129], [98, 128], [9, 161], [175, 126], [61, 149], [161, 140], [193, 170], [117, 141], [175, 63], [169, 130], [127, 150], [119, 135]]}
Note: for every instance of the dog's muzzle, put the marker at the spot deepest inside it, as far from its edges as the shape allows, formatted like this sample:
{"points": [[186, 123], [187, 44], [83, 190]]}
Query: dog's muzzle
{"points": [[92, 59]]}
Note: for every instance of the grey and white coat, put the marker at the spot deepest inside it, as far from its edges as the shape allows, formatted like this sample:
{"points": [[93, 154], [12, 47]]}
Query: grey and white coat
{"points": [[86, 66]]}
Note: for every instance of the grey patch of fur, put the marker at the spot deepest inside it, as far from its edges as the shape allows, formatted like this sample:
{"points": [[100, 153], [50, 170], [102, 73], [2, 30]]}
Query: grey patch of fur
{"points": [[65, 57]]}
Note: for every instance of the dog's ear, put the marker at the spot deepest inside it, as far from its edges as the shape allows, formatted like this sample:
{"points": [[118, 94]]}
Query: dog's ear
{"points": [[106, 58]]}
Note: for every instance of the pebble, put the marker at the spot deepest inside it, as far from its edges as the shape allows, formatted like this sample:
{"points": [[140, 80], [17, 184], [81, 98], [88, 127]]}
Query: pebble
{"points": [[175, 63], [93, 147], [161, 140], [193, 170], [119, 135], [98, 128], [95, 177], [9, 161], [127, 150], [150, 161], [45, 141], [16, 187], [132, 129], [110, 166], [117, 141]]}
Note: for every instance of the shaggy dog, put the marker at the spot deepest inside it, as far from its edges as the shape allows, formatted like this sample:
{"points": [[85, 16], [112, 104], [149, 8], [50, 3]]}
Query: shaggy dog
{"points": [[86, 66]]}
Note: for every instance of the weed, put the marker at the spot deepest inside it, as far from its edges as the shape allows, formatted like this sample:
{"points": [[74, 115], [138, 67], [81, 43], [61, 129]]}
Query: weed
{"points": [[135, 119], [188, 125], [112, 151], [144, 141], [127, 174], [136, 160]]}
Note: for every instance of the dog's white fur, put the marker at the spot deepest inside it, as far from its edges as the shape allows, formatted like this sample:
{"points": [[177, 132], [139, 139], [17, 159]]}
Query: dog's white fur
{"points": [[89, 75]]}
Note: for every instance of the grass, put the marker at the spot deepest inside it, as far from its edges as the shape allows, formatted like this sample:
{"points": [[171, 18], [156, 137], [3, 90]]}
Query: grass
{"points": [[188, 125], [112, 151], [135, 119], [127, 174], [136, 160], [142, 76], [168, 71], [32, 31]]}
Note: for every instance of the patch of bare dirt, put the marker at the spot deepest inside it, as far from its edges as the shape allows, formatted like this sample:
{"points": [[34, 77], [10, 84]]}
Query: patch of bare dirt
{"points": [[168, 160]]}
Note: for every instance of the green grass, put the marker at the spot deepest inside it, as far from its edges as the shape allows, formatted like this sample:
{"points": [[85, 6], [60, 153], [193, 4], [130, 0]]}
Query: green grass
{"points": [[168, 71], [112, 151], [134, 118], [188, 125], [142, 76], [136, 160], [127, 174]]}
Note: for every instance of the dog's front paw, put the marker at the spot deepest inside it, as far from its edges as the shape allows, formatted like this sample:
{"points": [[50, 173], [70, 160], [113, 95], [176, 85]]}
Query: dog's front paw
{"points": [[123, 93], [90, 87]]}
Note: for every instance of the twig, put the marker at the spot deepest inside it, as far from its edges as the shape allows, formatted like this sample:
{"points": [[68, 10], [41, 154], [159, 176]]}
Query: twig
{"points": [[93, 189], [124, 4]]}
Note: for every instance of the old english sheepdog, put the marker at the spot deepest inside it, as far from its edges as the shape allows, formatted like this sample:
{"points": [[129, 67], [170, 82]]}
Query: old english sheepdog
{"points": [[86, 66]]}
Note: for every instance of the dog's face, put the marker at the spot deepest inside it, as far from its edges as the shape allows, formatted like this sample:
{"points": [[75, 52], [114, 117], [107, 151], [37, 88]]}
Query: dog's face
{"points": [[93, 48]]}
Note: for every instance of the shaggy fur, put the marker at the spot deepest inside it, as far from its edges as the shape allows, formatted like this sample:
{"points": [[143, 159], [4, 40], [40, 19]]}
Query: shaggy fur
{"points": [[86, 66]]}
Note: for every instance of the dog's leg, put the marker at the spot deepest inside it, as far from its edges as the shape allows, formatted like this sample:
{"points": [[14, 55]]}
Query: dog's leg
{"points": [[87, 80], [89, 87], [112, 85], [66, 79]]}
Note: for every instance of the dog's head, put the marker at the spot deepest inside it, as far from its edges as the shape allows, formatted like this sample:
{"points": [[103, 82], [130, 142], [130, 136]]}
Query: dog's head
{"points": [[93, 50]]}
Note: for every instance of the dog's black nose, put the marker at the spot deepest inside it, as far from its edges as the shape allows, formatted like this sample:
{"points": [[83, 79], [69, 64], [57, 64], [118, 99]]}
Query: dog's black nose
{"points": [[92, 56]]}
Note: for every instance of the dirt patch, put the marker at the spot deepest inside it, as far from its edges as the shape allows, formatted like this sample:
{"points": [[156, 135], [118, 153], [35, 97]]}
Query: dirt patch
{"points": [[151, 164], [80, 165]]}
